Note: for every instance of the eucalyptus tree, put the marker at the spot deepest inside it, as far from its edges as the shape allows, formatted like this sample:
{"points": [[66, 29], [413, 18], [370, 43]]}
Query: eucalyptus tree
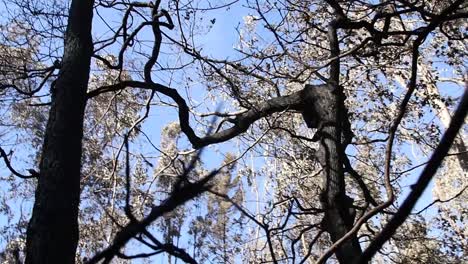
{"points": [[286, 56], [330, 94], [57, 34]]}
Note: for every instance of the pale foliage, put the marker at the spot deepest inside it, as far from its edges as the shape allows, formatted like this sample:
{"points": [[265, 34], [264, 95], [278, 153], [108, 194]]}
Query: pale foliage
{"points": [[270, 172]]}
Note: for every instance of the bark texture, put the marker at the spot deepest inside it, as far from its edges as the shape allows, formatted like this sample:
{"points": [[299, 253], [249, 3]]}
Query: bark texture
{"points": [[324, 112], [52, 234]]}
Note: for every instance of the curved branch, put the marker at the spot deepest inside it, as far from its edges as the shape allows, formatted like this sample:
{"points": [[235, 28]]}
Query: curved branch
{"points": [[34, 174], [294, 101]]}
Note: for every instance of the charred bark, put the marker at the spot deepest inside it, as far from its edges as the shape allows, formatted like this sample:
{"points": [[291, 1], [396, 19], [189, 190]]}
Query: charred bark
{"points": [[52, 234], [460, 147], [324, 111]]}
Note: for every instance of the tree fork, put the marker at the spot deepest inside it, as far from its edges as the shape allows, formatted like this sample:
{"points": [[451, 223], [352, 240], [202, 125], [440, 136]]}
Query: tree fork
{"points": [[52, 234]]}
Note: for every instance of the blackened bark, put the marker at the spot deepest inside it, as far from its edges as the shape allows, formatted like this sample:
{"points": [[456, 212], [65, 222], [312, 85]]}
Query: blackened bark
{"points": [[324, 104], [460, 147], [52, 234]]}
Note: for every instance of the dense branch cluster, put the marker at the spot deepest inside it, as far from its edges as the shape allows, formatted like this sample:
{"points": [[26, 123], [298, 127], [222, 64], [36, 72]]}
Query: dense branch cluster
{"points": [[316, 124]]}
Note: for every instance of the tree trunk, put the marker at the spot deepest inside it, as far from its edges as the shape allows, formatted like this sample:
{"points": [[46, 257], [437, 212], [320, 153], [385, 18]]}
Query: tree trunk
{"points": [[442, 112], [323, 112], [52, 234]]}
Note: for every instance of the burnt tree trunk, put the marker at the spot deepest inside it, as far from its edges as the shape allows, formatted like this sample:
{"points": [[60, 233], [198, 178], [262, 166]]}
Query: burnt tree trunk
{"points": [[460, 147], [324, 112], [52, 234]]}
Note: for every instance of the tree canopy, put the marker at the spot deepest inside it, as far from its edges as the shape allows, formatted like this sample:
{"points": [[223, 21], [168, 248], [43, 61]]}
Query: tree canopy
{"points": [[234, 131]]}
